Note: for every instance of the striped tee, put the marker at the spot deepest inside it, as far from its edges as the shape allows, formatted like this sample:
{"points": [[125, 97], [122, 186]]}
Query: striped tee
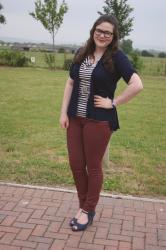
{"points": [[85, 73]]}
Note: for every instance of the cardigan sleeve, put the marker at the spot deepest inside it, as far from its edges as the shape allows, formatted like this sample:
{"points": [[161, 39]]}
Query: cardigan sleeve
{"points": [[123, 65], [71, 71], [72, 68]]}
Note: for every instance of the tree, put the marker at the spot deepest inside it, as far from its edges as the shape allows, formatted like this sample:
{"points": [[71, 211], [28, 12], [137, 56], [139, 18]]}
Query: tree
{"points": [[49, 16], [2, 18], [121, 10], [146, 53], [136, 60], [162, 55], [126, 46]]}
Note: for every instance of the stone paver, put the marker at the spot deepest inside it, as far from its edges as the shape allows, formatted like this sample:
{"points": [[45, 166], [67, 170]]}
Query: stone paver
{"points": [[37, 218]]}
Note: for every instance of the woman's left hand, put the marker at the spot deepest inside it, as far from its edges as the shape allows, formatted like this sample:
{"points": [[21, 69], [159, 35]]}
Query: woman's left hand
{"points": [[101, 102]]}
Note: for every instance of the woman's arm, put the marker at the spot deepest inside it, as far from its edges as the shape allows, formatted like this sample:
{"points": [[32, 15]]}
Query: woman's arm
{"points": [[134, 87], [64, 121]]}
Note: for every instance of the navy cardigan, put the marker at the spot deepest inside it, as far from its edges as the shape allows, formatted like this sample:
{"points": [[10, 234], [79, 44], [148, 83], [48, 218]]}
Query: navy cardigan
{"points": [[103, 83]]}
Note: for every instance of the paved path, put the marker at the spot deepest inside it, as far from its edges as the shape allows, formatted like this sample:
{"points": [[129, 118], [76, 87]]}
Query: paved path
{"points": [[37, 218]]}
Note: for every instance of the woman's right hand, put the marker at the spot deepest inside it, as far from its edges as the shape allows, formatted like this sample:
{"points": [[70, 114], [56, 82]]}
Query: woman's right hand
{"points": [[64, 121]]}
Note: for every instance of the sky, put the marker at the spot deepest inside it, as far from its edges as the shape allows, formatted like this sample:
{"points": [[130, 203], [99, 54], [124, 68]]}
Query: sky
{"points": [[148, 27]]}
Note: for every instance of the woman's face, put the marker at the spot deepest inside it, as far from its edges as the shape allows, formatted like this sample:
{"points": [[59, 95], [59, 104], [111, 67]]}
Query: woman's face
{"points": [[103, 34]]}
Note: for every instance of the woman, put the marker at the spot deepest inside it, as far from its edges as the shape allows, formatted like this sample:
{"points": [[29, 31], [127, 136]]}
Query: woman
{"points": [[89, 111]]}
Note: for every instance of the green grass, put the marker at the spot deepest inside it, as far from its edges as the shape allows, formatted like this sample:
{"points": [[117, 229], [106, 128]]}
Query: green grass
{"points": [[33, 146]]}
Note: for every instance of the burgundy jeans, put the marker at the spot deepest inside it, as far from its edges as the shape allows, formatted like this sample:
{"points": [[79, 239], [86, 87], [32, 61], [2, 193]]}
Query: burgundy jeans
{"points": [[87, 140]]}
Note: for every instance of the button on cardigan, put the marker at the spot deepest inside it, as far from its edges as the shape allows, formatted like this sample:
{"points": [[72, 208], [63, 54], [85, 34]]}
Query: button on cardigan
{"points": [[103, 83]]}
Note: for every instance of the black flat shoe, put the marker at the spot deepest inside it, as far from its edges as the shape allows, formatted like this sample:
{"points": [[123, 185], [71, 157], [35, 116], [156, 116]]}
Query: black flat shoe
{"points": [[72, 221], [81, 227]]}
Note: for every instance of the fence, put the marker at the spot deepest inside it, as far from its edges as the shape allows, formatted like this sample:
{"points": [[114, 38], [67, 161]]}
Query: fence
{"points": [[153, 66]]}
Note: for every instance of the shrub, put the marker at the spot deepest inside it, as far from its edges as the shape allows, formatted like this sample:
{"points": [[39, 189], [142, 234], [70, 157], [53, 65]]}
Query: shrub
{"points": [[13, 58], [67, 64], [136, 61], [50, 60], [61, 50]]}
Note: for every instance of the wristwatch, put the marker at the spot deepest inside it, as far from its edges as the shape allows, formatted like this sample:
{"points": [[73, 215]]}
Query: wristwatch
{"points": [[113, 104]]}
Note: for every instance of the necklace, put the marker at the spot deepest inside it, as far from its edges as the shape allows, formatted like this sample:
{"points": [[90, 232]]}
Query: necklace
{"points": [[97, 57]]}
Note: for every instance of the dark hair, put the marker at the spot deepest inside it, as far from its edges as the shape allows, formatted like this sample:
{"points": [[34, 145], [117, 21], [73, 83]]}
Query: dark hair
{"points": [[89, 47]]}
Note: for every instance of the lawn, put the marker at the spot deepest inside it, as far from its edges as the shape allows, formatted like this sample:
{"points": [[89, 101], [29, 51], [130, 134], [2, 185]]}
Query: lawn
{"points": [[33, 146]]}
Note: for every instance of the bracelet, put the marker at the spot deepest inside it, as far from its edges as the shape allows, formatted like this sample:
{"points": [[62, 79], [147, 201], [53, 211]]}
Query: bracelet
{"points": [[113, 104]]}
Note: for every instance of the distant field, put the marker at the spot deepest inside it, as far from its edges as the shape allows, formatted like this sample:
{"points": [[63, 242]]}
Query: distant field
{"points": [[33, 146]]}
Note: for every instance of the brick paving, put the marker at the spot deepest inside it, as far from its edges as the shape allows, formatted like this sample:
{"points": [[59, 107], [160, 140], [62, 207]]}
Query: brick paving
{"points": [[37, 218]]}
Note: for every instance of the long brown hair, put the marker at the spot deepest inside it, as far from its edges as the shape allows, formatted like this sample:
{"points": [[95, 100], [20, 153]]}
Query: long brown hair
{"points": [[89, 47]]}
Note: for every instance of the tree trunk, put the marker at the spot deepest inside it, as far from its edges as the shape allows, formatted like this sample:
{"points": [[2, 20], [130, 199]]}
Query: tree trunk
{"points": [[53, 47]]}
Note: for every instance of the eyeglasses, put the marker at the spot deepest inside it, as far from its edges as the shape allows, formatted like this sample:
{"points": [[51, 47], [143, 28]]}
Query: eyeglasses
{"points": [[107, 34]]}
